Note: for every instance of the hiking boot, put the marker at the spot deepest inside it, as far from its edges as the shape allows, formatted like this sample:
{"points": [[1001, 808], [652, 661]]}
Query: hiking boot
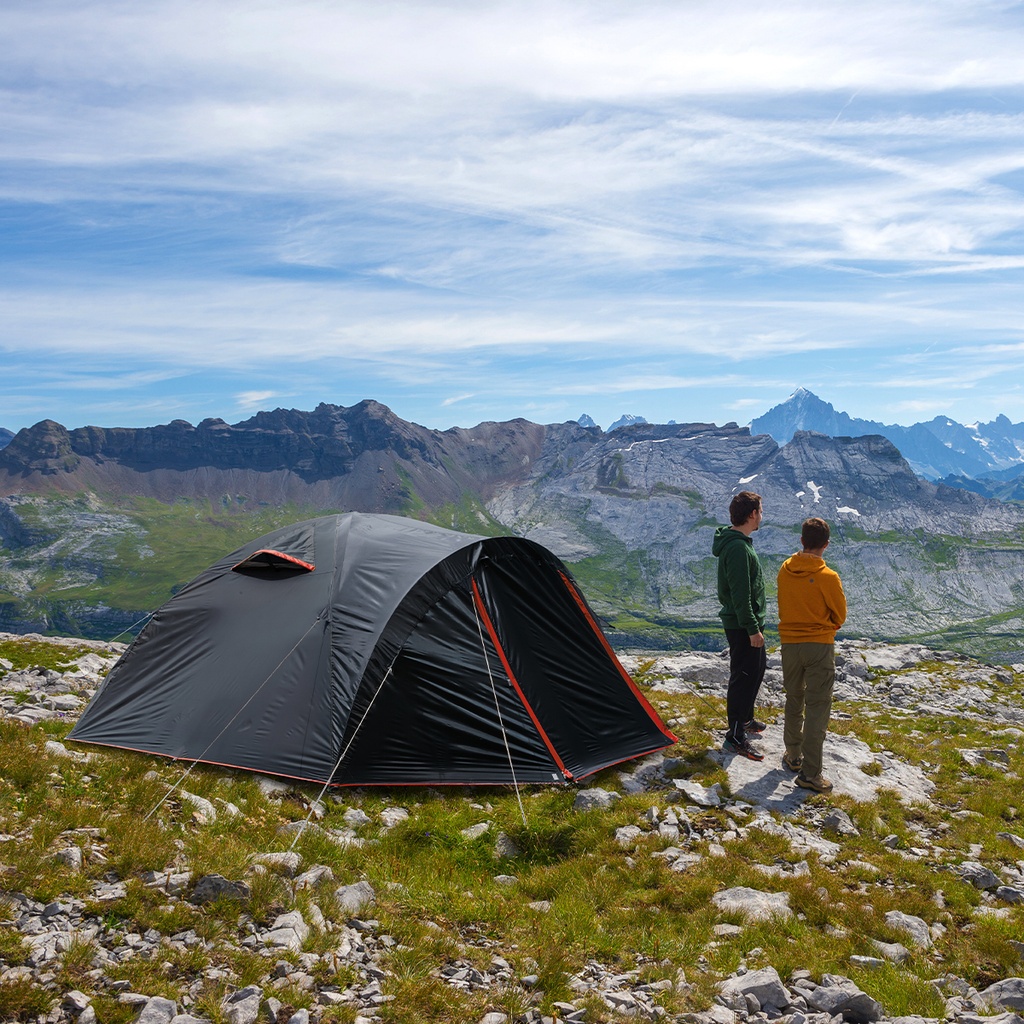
{"points": [[794, 763], [819, 783], [754, 726], [743, 748]]}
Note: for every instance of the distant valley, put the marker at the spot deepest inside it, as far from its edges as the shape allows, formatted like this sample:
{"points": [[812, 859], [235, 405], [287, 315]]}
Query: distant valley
{"points": [[98, 526]]}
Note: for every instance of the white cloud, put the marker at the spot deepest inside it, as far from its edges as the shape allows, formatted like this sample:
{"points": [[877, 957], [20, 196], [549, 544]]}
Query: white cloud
{"points": [[250, 400]]}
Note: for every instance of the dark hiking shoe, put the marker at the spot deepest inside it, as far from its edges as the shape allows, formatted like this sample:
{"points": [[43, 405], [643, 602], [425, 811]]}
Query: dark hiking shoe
{"points": [[819, 783], [743, 748], [754, 726], [794, 764]]}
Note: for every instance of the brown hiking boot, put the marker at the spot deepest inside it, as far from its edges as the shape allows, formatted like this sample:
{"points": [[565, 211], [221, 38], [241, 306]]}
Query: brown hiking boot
{"points": [[819, 783], [794, 762]]}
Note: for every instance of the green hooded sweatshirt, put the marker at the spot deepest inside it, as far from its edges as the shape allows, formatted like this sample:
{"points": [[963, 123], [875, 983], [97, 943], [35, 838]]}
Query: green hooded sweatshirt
{"points": [[740, 581]]}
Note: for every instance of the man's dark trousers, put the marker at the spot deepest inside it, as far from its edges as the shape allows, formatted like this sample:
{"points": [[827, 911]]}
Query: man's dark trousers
{"points": [[746, 670]]}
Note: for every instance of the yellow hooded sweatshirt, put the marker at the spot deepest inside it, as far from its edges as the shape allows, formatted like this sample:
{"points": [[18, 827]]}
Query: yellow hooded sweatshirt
{"points": [[812, 605]]}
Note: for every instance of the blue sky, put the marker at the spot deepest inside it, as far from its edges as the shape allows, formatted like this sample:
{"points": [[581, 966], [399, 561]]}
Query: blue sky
{"points": [[479, 210]]}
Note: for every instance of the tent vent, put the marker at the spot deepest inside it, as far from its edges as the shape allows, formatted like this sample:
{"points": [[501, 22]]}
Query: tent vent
{"points": [[266, 558]]}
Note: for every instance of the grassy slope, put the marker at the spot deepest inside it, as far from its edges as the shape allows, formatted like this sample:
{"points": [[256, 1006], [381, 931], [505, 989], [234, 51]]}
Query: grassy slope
{"points": [[439, 898]]}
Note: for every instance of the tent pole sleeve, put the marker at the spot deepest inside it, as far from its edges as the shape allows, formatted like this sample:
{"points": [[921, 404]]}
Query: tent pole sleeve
{"points": [[655, 717], [481, 608]]}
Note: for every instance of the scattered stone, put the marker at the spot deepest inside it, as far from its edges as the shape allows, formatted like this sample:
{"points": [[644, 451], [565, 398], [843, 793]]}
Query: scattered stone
{"points": [[356, 817], [870, 962], [1009, 893], [988, 758], [392, 816], [243, 1006], [837, 820], [752, 904], [159, 1011], [915, 927], [978, 875], [350, 899], [594, 799], [838, 995], [316, 874], [764, 986], [505, 847], [273, 789], [204, 809], [289, 931], [75, 1002], [893, 951], [628, 835], [71, 856], [215, 887], [702, 796], [1007, 994], [286, 862]]}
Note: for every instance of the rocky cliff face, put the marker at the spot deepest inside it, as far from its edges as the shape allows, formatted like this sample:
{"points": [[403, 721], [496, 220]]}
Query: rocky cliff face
{"points": [[916, 558], [633, 511], [364, 457]]}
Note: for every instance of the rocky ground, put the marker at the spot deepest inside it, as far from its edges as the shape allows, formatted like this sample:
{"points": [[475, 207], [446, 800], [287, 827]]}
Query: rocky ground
{"points": [[761, 796]]}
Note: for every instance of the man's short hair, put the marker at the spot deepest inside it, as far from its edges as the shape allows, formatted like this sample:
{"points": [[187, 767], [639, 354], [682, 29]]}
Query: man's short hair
{"points": [[814, 534], [743, 506]]}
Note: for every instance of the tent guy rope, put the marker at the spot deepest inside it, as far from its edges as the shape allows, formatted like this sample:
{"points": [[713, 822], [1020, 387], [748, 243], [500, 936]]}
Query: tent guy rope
{"points": [[497, 708], [341, 756]]}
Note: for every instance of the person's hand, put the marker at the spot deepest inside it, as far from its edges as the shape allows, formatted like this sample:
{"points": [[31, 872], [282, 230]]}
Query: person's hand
{"points": [[757, 640]]}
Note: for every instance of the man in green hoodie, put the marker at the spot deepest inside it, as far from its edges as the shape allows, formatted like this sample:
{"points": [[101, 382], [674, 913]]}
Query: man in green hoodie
{"points": [[742, 594]]}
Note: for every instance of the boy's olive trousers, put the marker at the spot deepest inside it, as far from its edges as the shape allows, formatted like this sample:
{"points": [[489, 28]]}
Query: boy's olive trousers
{"points": [[808, 675]]}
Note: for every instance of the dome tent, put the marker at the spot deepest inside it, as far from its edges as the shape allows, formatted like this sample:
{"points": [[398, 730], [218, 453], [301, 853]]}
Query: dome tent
{"points": [[362, 649]]}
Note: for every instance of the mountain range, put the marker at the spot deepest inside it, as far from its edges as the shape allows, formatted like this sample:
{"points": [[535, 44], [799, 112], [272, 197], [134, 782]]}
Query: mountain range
{"points": [[98, 526], [987, 458], [938, 449]]}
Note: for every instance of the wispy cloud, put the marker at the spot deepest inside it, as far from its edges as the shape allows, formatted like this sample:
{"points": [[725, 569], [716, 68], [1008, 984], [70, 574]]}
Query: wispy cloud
{"points": [[248, 401]]}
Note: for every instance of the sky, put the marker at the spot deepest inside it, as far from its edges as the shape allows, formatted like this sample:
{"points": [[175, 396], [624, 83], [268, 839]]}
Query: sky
{"points": [[479, 210]]}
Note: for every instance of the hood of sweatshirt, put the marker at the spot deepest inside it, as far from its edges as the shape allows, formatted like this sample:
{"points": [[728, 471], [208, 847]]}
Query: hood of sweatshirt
{"points": [[801, 564], [726, 535]]}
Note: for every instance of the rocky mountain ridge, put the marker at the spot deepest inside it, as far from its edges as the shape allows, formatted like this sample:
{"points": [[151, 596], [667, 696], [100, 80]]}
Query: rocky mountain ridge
{"points": [[345, 454], [632, 512]]}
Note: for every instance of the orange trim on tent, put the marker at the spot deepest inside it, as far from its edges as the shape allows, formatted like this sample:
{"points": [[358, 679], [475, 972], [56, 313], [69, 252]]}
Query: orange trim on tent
{"points": [[582, 605], [280, 556], [478, 599]]}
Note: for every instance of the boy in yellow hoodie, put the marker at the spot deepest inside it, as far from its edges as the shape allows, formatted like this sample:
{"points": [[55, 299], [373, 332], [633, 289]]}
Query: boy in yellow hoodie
{"points": [[812, 606]]}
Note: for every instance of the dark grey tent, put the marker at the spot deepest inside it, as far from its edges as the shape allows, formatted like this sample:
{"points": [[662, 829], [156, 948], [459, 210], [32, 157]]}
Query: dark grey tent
{"points": [[374, 650]]}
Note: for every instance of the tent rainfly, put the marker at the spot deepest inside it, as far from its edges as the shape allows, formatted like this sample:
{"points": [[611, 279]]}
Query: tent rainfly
{"points": [[364, 650]]}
